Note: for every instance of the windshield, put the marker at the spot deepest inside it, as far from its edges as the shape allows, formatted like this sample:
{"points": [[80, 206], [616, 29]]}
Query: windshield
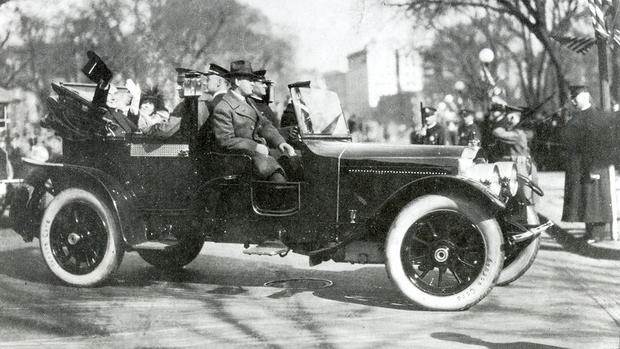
{"points": [[319, 111]]}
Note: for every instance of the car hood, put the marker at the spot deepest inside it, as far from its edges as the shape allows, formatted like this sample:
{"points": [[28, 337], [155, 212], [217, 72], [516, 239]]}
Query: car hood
{"points": [[444, 156]]}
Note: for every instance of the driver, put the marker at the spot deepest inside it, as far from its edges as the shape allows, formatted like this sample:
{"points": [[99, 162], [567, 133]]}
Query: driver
{"points": [[238, 126]]}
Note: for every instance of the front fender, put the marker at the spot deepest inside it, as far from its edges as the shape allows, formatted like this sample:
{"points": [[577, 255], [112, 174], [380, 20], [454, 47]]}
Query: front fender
{"points": [[121, 200], [447, 184]]}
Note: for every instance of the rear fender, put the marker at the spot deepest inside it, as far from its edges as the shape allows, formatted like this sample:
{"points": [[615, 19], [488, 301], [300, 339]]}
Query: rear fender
{"points": [[121, 200], [452, 185]]}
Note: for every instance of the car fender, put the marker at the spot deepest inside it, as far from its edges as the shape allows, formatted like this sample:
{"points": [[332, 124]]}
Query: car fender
{"points": [[448, 184], [123, 202]]}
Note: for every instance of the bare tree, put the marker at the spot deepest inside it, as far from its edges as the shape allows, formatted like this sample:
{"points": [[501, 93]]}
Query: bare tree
{"points": [[539, 18]]}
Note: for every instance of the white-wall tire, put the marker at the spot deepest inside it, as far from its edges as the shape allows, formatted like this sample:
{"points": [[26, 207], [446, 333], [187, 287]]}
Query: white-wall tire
{"points": [[478, 243], [515, 266], [80, 238]]}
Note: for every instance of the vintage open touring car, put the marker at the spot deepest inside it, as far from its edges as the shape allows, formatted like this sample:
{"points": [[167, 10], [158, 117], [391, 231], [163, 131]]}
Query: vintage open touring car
{"points": [[448, 225]]}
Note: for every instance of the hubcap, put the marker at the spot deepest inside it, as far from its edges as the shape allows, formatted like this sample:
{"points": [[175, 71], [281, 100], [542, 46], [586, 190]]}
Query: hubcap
{"points": [[442, 254], [73, 238]]}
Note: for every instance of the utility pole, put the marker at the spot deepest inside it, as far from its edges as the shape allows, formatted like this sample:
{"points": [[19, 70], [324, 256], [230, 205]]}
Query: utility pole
{"points": [[604, 85]]}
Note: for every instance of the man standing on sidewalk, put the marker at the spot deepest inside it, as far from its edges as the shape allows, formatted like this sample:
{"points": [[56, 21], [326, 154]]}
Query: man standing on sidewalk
{"points": [[588, 140]]}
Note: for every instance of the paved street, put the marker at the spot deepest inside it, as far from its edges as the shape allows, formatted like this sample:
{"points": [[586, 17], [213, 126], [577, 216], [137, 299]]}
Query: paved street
{"points": [[570, 298]]}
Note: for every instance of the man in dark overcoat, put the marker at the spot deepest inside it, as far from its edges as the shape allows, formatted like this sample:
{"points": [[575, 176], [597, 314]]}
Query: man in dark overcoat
{"points": [[239, 126], [588, 139]]}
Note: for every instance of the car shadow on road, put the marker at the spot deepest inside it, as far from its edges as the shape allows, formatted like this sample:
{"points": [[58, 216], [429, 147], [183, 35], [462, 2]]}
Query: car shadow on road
{"points": [[223, 276], [567, 240], [466, 339]]}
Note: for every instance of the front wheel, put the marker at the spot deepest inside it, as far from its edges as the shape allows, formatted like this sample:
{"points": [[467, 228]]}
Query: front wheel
{"points": [[80, 238], [518, 260], [444, 253]]}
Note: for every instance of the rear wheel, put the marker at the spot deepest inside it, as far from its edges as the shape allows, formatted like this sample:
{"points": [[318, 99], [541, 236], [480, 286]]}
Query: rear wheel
{"points": [[80, 238], [444, 253], [176, 256]]}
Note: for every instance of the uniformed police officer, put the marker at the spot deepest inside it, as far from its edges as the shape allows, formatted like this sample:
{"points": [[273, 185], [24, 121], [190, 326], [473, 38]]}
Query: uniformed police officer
{"points": [[588, 138], [432, 133], [469, 133]]}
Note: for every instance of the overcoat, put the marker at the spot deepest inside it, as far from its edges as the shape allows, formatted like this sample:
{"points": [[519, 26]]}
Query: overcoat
{"points": [[238, 126], [589, 140]]}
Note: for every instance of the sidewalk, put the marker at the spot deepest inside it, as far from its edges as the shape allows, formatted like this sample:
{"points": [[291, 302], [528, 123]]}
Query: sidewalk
{"points": [[565, 233]]}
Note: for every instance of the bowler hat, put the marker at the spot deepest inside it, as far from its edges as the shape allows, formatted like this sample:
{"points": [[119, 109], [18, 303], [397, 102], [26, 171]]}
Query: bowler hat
{"points": [[215, 69], [95, 69], [241, 68], [576, 90], [260, 76]]}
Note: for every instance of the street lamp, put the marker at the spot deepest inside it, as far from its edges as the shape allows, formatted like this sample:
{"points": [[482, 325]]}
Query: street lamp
{"points": [[486, 55]]}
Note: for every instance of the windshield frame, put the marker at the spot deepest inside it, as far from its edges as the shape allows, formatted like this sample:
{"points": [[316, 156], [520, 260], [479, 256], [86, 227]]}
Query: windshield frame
{"points": [[295, 92]]}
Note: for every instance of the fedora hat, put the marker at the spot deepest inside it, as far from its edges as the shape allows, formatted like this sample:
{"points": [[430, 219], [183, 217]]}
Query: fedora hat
{"points": [[241, 68]]}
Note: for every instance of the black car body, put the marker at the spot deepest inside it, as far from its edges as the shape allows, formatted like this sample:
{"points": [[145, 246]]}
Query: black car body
{"points": [[448, 225]]}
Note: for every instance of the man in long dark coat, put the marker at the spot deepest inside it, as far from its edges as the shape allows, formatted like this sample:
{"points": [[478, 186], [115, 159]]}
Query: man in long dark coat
{"points": [[238, 126], [588, 138]]}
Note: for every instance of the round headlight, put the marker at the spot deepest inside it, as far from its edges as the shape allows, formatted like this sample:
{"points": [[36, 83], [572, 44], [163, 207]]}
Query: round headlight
{"points": [[487, 174], [508, 175]]}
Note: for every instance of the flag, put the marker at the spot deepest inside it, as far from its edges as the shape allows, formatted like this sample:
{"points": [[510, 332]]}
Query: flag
{"points": [[576, 44]]}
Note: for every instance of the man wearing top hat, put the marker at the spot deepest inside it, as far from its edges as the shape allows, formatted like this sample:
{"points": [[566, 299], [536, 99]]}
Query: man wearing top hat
{"points": [[469, 133], [238, 126], [432, 133], [588, 138]]}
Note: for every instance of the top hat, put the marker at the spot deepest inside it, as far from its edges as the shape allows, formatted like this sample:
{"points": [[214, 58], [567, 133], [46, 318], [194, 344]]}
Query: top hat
{"points": [[95, 69], [241, 68], [215, 69], [428, 111], [576, 90]]}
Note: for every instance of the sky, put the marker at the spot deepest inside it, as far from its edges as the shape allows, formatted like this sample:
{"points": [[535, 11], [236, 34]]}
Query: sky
{"points": [[323, 32], [327, 31]]}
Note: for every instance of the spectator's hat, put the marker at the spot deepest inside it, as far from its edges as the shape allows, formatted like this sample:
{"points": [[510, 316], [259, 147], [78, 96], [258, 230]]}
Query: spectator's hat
{"points": [[215, 69], [428, 111], [241, 68], [575, 90]]}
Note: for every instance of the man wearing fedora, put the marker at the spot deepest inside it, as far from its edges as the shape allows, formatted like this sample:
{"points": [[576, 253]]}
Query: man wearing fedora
{"points": [[238, 126], [588, 138]]}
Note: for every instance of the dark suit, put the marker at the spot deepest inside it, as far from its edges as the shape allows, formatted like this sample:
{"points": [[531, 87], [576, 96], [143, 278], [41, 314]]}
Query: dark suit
{"points": [[238, 126], [588, 138], [434, 136], [469, 134]]}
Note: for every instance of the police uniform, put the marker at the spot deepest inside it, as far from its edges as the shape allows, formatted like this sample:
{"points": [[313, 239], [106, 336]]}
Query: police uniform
{"points": [[435, 135], [468, 134]]}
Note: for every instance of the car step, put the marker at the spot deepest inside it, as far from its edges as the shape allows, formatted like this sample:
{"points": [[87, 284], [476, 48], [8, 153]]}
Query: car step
{"points": [[155, 245], [268, 248]]}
